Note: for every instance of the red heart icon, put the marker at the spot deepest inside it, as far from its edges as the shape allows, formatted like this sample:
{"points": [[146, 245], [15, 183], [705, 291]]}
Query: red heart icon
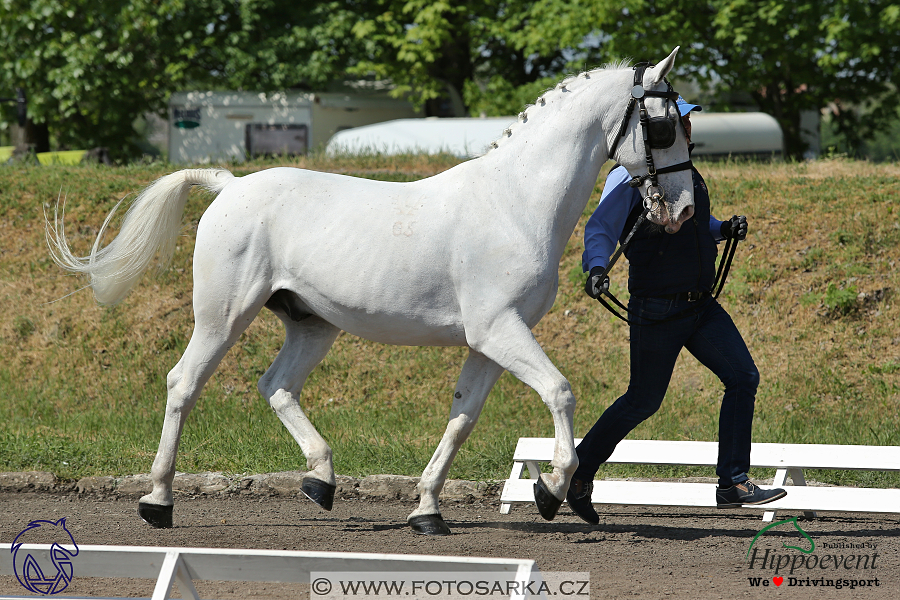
{"points": [[778, 580]]}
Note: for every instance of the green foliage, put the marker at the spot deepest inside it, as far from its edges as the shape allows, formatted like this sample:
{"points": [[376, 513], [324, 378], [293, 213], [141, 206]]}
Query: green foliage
{"points": [[839, 300], [785, 57], [91, 68]]}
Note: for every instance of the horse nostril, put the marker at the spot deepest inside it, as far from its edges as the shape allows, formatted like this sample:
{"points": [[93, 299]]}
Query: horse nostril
{"points": [[686, 214]]}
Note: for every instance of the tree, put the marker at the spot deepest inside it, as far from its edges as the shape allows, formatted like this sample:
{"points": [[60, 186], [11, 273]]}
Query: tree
{"points": [[83, 65], [469, 50], [91, 68], [788, 55]]}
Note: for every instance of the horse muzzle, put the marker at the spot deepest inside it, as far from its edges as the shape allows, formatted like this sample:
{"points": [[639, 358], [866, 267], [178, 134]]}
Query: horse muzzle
{"points": [[661, 214]]}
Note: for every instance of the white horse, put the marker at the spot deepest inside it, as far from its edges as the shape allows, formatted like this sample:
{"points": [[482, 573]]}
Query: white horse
{"points": [[468, 257]]}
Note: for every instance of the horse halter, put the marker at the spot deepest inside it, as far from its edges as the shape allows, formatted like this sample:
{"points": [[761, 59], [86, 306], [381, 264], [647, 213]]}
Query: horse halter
{"points": [[658, 132]]}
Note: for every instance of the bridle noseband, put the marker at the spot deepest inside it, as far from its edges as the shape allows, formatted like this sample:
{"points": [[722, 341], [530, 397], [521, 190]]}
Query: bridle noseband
{"points": [[658, 132]]}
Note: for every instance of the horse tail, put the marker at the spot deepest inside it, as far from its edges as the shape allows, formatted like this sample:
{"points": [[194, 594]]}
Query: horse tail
{"points": [[150, 229]]}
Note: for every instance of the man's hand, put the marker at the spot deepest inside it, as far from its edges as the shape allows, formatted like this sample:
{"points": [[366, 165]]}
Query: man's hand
{"points": [[735, 228], [596, 283]]}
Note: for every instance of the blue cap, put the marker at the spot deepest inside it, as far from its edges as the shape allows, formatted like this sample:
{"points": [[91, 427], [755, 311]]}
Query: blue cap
{"points": [[684, 108]]}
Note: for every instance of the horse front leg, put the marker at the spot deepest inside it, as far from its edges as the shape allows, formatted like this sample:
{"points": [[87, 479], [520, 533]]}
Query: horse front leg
{"points": [[511, 344], [478, 376]]}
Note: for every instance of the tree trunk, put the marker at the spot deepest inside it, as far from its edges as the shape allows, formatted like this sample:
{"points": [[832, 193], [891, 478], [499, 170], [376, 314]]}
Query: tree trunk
{"points": [[37, 136]]}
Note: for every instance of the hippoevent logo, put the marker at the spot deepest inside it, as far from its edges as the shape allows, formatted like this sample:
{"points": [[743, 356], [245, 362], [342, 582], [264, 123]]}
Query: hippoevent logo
{"points": [[40, 573], [802, 566]]}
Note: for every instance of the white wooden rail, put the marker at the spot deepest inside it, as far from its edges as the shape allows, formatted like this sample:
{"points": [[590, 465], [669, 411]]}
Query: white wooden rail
{"points": [[789, 460], [186, 565]]}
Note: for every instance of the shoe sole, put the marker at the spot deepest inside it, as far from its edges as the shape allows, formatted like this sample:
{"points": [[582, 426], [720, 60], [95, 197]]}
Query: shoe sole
{"points": [[740, 504]]}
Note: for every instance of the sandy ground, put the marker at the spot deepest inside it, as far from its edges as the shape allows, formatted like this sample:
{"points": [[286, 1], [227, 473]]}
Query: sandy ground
{"points": [[633, 552]]}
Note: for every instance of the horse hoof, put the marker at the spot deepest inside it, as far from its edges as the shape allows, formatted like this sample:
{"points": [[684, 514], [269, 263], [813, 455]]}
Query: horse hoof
{"points": [[429, 525], [547, 503], [156, 515], [318, 491]]}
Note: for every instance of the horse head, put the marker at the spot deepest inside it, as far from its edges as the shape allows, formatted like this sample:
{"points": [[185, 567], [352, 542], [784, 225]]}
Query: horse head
{"points": [[30, 572], [651, 145]]}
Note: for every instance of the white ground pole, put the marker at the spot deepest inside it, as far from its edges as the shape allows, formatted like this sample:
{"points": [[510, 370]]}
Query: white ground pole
{"points": [[184, 565]]}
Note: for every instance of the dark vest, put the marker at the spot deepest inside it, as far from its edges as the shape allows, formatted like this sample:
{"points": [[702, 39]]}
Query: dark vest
{"points": [[664, 263]]}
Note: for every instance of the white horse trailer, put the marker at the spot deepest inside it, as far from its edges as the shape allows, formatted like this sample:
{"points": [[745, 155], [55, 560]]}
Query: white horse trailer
{"points": [[224, 126], [747, 134], [715, 135]]}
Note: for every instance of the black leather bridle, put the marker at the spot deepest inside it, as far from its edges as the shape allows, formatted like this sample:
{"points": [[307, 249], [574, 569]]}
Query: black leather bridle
{"points": [[658, 132]]}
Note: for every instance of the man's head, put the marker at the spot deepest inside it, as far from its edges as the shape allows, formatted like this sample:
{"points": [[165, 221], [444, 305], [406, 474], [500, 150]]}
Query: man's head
{"points": [[685, 110]]}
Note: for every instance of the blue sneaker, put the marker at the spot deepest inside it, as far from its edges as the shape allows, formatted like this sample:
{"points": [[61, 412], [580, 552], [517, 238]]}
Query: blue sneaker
{"points": [[746, 493]]}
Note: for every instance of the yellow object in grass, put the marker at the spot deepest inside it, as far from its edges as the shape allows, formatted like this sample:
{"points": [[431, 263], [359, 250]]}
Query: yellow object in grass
{"points": [[64, 157]]}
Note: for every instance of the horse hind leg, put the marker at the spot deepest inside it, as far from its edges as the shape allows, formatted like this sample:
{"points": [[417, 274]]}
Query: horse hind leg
{"points": [[307, 341], [216, 329], [478, 376]]}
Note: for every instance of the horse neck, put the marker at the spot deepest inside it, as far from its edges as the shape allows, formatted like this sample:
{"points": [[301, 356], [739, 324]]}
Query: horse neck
{"points": [[554, 154]]}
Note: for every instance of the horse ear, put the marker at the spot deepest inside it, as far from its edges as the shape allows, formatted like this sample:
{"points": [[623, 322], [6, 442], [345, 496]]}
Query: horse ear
{"points": [[663, 68]]}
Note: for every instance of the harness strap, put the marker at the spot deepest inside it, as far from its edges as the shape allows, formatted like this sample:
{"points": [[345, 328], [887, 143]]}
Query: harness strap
{"points": [[638, 180], [724, 266]]}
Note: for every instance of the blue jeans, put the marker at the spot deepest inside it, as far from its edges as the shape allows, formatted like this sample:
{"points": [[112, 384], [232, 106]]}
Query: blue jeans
{"points": [[708, 333]]}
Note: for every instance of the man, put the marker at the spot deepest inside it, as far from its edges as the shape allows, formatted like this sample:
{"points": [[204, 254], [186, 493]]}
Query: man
{"points": [[670, 278]]}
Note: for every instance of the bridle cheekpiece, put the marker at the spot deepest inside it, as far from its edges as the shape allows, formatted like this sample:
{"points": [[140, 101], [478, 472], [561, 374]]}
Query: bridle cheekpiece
{"points": [[658, 132]]}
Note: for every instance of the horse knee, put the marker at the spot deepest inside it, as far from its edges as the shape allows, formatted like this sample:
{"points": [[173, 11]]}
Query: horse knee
{"points": [[560, 398]]}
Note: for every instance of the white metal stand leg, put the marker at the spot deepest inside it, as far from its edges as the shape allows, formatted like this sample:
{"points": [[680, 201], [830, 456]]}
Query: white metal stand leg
{"points": [[780, 478], [797, 478], [534, 471], [523, 576], [173, 569], [515, 474]]}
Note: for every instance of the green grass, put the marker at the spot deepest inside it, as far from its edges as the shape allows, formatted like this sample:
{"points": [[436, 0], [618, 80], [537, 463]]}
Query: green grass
{"points": [[84, 386]]}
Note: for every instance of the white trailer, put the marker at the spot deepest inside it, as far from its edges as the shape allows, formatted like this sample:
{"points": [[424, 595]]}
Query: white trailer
{"points": [[234, 126], [714, 134], [748, 134]]}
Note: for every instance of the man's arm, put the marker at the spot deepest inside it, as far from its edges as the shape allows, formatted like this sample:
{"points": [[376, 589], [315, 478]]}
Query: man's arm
{"points": [[603, 229]]}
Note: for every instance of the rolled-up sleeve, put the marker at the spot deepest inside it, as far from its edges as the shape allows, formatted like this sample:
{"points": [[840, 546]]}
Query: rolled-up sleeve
{"points": [[603, 229]]}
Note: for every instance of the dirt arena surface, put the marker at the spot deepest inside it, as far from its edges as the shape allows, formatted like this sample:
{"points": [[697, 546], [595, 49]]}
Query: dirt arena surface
{"points": [[632, 553]]}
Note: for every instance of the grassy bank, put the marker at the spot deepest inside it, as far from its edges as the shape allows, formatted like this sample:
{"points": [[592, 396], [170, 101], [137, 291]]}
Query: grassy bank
{"points": [[83, 387]]}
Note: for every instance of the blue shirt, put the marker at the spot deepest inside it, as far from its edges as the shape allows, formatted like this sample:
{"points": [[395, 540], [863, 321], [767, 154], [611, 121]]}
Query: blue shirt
{"points": [[604, 228]]}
